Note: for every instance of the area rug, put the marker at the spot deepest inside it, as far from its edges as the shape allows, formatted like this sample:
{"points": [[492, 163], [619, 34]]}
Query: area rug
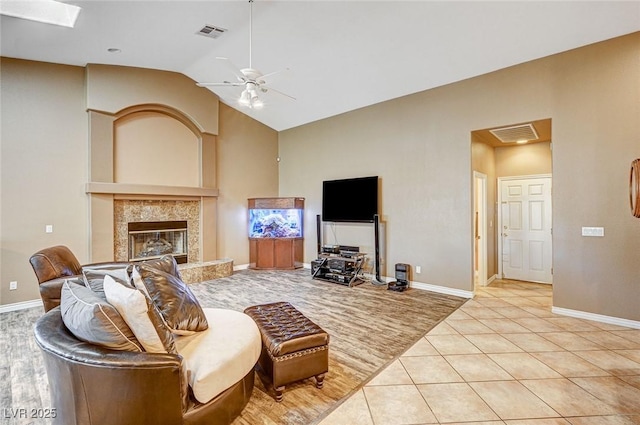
{"points": [[368, 325]]}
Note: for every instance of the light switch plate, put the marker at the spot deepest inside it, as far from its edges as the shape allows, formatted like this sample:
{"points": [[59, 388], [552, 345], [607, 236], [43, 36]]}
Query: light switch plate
{"points": [[593, 231], [48, 228]]}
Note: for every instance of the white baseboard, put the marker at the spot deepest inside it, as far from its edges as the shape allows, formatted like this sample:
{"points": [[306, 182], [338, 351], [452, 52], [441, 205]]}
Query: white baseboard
{"points": [[442, 289], [596, 317], [21, 306], [491, 279]]}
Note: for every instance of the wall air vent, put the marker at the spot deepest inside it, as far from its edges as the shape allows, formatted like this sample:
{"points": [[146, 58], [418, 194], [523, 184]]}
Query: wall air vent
{"points": [[211, 31], [514, 133]]}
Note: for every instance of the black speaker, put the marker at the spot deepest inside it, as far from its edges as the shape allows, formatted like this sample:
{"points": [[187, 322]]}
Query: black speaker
{"points": [[376, 234], [319, 234]]}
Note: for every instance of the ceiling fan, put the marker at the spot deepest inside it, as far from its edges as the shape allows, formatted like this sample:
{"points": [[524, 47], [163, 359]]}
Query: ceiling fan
{"points": [[250, 78]]}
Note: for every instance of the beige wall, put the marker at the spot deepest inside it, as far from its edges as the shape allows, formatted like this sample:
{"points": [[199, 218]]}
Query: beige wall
{"points": [[424, 168], [43, 170], [45, 158], [596, 135], [523, 160], [249, 170], [419, 146]]}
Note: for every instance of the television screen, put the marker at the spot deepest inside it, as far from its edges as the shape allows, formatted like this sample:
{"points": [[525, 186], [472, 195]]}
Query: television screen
{"points": [[354, 200]]}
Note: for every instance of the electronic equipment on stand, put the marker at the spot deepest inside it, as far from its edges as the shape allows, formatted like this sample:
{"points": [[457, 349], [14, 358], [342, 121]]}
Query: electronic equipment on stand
{"points": [[339, 264], [402, 278]]}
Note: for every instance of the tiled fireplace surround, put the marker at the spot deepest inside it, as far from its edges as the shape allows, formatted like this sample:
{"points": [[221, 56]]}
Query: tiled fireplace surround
{"points": [[113, 204]]}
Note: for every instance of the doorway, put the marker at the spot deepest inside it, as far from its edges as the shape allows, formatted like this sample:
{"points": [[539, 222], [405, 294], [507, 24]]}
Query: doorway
{"points": [[500, 152], [524, 219]]}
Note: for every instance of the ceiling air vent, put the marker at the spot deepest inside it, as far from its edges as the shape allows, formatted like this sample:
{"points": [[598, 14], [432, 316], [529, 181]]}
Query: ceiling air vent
{"points": [[515, 133], [211, 31]]}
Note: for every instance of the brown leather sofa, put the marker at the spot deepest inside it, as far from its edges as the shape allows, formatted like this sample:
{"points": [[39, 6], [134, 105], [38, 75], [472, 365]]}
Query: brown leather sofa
{"points": [[91, 385], [52, 266]]}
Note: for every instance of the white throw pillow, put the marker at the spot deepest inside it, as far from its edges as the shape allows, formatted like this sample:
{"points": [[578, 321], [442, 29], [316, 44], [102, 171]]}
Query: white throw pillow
{"points": [[134, 309]]}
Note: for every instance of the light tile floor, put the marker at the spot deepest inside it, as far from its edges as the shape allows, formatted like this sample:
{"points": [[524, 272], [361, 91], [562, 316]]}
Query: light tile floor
{"points": [[504, 358]]}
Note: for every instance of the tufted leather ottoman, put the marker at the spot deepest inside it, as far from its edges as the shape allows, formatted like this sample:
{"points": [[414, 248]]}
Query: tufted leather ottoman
{"points": [[293, 347]]}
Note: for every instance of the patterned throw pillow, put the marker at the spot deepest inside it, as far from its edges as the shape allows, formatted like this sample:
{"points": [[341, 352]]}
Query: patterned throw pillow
{"points": [[92, 319]]}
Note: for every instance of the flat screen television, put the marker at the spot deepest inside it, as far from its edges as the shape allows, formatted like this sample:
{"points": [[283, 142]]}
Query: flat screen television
{"points": [[350, 200]]}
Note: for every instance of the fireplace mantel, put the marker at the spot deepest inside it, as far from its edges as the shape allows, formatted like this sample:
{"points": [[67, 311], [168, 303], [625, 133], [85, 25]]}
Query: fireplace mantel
{"points": [[150, 190]]}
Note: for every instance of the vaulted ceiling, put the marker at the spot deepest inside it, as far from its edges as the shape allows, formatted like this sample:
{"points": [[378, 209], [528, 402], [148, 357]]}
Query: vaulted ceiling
{"points": [[341, 55]]}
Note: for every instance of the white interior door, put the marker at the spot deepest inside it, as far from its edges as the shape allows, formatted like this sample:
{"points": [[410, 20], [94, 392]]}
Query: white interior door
{"points": [[526, 249]]}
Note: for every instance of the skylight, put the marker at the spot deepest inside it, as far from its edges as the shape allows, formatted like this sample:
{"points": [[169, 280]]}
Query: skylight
{"points": [[46, 11]]}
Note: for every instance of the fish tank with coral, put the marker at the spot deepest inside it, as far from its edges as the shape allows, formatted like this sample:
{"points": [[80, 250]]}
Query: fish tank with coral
{"points": [[275, 223]]}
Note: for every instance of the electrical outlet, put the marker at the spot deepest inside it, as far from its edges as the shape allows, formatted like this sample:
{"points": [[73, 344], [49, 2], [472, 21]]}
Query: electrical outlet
{"points": [[13, 285], [418, 269], [48, 228]]}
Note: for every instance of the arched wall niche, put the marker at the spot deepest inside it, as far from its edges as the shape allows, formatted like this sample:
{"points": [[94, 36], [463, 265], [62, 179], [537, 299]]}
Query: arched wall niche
{"points": [[154, 144], [161, 109]]}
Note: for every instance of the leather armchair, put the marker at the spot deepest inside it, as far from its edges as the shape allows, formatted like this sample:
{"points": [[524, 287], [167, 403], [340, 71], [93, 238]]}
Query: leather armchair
{"points": [[52, 266], [91, 385]]}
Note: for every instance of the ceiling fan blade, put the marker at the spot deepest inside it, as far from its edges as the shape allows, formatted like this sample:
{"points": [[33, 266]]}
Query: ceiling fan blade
{"points": [[223, 83], [233, 68], [266, 89], [268, 78]]}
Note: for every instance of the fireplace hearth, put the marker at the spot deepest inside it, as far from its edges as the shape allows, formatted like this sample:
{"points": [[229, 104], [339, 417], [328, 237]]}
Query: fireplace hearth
{"points": [[153, 239]]}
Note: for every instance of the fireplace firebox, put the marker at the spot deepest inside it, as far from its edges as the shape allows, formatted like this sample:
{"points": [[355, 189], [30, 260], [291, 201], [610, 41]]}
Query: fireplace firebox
{"points": [[153, 239]]}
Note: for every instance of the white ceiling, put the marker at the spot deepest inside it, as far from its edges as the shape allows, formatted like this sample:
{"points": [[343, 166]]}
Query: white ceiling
{"points": [[342, 55]]}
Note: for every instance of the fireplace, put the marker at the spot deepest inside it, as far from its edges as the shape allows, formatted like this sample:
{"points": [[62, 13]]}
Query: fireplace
{"points": [[153, 239]]}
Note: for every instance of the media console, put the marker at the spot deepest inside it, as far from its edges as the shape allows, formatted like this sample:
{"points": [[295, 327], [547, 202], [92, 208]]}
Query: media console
{"points": [[342, 263], [343, 268]]}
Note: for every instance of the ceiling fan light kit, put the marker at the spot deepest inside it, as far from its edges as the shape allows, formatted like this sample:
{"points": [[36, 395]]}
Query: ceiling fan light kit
{"points": [[249, 97], [250, 78]]}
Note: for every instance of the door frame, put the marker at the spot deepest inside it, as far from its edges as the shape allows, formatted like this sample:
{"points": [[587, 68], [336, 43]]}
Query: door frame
{"points": [[500, 225], [480, 188]]}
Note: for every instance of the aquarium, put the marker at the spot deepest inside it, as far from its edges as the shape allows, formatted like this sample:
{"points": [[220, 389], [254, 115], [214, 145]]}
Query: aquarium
{"points": [[275, 223]]}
